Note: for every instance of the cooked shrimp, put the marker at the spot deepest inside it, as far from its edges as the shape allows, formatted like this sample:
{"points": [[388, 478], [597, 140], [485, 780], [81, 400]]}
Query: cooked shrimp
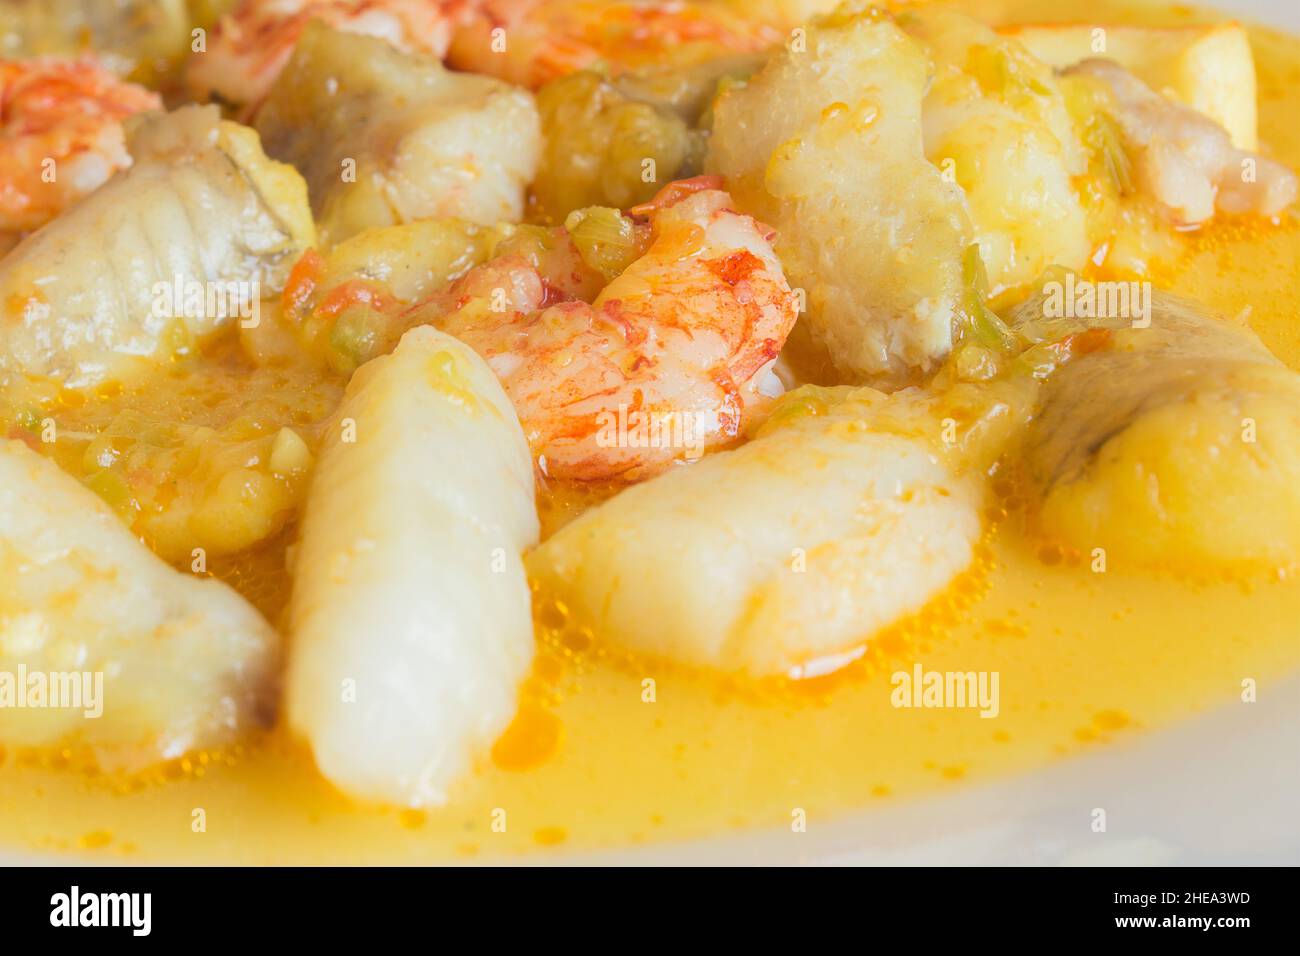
{"points": [[531, 41], [671, 357], [249, 47], [1185, 160], [60, 134]]}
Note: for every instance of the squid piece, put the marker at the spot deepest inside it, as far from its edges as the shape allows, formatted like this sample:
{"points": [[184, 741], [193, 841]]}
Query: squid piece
{"points": [[92, 295], [825, 144], [162, 662], [410, 620], [783, 556], [1174, 445], [1184, 160], [384, 137]]}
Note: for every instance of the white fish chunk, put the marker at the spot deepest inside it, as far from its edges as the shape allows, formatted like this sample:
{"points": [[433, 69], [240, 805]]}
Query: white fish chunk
{"points": [[825, 144], [200, 210], [184, 662], [1207, 66], [410, 620], [779, 556], [1174, 445], [1186, 161], [384, 137]]}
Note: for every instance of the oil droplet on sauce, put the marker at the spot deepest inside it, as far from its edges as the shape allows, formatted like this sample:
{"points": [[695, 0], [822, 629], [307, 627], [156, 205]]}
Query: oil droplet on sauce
{"points": [[95, 839], [1111, 719], [550, 836], [412, 819], [532, 739]]}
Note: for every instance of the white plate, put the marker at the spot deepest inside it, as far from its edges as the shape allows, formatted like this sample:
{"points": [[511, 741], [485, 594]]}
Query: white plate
{"points": [[1278, 13]]}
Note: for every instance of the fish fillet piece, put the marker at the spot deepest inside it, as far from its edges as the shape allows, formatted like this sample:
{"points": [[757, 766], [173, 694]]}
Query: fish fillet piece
{"points": [[778, 557], [92, 294], [1207, 66], [1173, 444], [410, 621], [384, 137], [825, 144], [185, 662], [1184, 160]]}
